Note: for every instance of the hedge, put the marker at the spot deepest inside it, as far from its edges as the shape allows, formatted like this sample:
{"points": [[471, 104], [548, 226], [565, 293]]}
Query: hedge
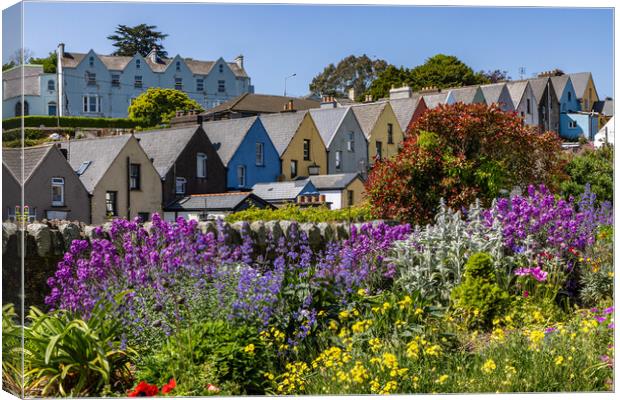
{"points": [[292, 212], [69, 122], [34, 133]]}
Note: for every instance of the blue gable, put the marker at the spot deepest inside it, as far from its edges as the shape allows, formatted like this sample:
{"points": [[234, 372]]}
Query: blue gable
{"points": [[309, 189], [246, 156], [568, 102]]}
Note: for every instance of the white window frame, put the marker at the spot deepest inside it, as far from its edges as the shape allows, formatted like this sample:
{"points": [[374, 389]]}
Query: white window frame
{"points": [[221, 86], [91, 78], [306, 149], [178, 83], [260, 153], [351, 141], [60, 183], [572, 124], [51, 85], [338, 159], [200, 85], [180, 185], [201, 165], [137, 81], [241, 176], [87, 102], [115, 80]]}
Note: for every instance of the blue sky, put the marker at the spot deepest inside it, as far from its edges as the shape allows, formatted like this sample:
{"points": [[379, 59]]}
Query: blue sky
{"points": [[279, 40]]}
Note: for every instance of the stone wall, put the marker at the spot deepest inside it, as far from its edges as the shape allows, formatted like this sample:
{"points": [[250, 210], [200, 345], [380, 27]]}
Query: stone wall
{"points": [[46, 242]]}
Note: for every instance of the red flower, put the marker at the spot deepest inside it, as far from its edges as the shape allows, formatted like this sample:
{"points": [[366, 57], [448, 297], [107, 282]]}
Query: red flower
{"points": [[167, 388], [144, 390], [526, 294]]}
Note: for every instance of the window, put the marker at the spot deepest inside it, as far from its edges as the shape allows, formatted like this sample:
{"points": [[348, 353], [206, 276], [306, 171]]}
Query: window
{"points": [[116, 80], [349, 198], [570, 95], [83, 167], [544, 113], [201, 165], [260, 156], [351, 142], [137, 81], [134, 176], [200, 85], [178, 83], [58, 192], [178, 65], [221, 67], [338, 159], [241, 175], [379, 148], [572, 124], [51, 108], [390, 132], [19, 111], [306, 149], [110, 203], [180, 185], [293, 168], [137, 64], [91, 104], [522, 114], [91, 61], [51, 85], [91, 78], [221, 86], [529, 110]]}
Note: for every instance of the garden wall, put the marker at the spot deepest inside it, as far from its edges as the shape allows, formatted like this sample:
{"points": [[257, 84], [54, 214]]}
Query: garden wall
{"points": [[45, 244]]}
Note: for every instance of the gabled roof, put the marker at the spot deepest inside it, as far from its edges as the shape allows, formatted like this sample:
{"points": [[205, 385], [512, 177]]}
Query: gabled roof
{"points": [[465, 95], [282, 127], [261, 103], [404, 109], [334, 181], [164, 146], [328, 120], [434, 99], [13, 78], [101, 152], [559, 84], [289, 190], [538, 87], [517, 91], [580, 82], [227, 135], [605, 107], [368, 114], [493, 91], [33, 156], [228, 201]]}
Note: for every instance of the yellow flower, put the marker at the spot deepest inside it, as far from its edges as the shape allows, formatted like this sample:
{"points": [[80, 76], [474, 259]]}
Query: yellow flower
{"points": [[405, 302], [269, 376], [442, 379], [413, 349], [343, 314], [374, 386], [536, 338], [361, 292], [375, 344], [249, 348], [390, 361], [434, 350], [386, 306], [376, 309], [489, 366], [559, 360], [321, 313], [538, 317], [510, 370], [361, 326], [358, 373], [418, 311], [498, 335], [389, 387], [333, 325]]}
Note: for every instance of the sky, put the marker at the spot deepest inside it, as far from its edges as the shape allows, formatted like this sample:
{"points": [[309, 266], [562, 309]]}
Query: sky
{"points": [[281, 40]]}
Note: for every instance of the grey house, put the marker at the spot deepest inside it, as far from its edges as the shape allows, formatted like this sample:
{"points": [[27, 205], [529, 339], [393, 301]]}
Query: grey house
{"points": [[52, 190], [524, 101], [281, 193], [468, 95], [548, 104], [498, 93], [347, 146]]}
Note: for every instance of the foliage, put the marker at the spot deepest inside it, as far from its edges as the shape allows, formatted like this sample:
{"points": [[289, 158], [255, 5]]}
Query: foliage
{"points": [[139, 39], [494, 76], [158, 106], [597, 277], [351, 72], [49, 63], [12, 374], [35, 121], [593, 167], [8, 65], [459, 153], [443, 71], [391, 77], [478, 299], [293, 212]]}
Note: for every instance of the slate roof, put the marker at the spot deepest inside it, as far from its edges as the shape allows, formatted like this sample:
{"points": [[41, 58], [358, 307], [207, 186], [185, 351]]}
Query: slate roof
{"points": [[275, 191], [517, 91], [282, 127], [214, 201], [101, 152], [605, 107], [492, 92], [12, 79], [71, 60], [580, 82], [33, 156], [164, 146], [328, 120], [262, 103], [333, 182], [559, 84], [368, 114], [465, 94], [404, 109], [434, 99], [227, 135], [538, 87]]}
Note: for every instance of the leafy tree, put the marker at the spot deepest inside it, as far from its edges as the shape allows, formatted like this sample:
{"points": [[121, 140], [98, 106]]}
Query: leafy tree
{"points": [[351, 72], [157, 106], [459, 153], [8, 65], [140, 39], [391, 77], [49, 62], [443, 71], [494, 76], [594, 167]]}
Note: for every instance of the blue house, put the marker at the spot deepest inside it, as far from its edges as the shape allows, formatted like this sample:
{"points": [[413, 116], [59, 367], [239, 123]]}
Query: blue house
{"points": [[576, 124], [565, 92], [246, 150]]}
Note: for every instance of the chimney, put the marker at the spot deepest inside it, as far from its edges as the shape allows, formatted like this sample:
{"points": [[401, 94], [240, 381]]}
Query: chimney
{"points": [[429, 89], [239, 61], [400, 93], [289, 106], [352, 94], [153, 54], [368, 98], [328, 102], [61, 50]]}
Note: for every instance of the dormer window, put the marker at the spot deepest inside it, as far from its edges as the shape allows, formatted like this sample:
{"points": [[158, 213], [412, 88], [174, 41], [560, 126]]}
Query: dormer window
{"points": [[91, 61], [221, 68], [137, 64], [178, 65]]}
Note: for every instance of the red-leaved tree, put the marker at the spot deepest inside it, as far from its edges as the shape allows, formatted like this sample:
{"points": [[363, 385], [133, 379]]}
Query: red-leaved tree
{"points": [[459, 153]]}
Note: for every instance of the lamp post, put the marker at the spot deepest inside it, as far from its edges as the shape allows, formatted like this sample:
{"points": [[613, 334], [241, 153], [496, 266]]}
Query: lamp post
{"points": [[290, 76]]}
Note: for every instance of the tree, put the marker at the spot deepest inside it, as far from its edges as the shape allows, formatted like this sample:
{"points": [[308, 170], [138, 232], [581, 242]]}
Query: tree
{"points": [[494, 76], [139, 39], [391, 77], [21, 56], [443, 71], [459, 153], [49, 62], [157, 106], [351, 72], [594, 167], [8, 65]]}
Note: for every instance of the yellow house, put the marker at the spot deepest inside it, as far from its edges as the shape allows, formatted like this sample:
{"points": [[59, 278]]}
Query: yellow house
{"points": [[340, 190], [585, 90], [119, 176], [298, 142], [381, 127]]}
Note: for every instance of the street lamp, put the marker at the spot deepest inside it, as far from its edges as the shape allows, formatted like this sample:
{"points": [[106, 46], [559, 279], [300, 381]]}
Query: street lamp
{"points": [[290, 76]]}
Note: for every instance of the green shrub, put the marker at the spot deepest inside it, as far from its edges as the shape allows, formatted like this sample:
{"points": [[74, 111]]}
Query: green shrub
{"points": [[479, 299], [594, 167], [292, 212], [68, 122], [597, 278]]}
